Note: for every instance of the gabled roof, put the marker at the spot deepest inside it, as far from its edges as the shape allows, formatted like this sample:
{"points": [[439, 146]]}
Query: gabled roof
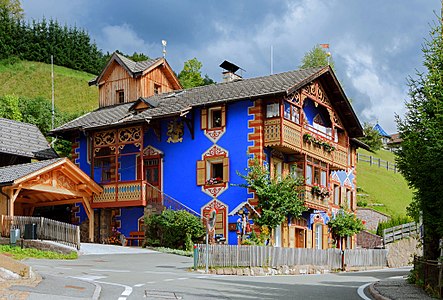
{"points": [[23, 139], [9, 174], [138, 68], [381, 131], [174, 103]]}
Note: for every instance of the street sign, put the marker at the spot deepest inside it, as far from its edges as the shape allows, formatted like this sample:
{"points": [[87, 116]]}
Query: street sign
{"points": [[211, 219]]}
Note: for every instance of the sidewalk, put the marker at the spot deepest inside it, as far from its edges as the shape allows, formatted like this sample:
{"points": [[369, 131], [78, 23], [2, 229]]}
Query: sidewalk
{"points": [[396, 289]]}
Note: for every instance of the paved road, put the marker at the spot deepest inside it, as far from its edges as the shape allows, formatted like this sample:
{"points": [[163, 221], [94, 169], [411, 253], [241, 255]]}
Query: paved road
{"points": [[152, 275]]}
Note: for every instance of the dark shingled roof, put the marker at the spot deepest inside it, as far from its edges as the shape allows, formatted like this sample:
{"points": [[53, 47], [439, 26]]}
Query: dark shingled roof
{"points": [[11, 173], [23, 139], [179, 101]]}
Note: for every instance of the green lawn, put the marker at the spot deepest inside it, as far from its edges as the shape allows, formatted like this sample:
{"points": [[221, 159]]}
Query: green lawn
{"points": [[379, 186], [33, 79], [19, 253]]}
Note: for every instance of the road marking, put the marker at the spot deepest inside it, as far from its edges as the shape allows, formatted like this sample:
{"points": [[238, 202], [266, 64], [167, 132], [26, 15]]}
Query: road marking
{"points": [[126, 292], [168, 280], [139, 285], [396, 277], [182, 278], [63, 268], [110, 270], [360, 291], [88, 277], [150, 282]]}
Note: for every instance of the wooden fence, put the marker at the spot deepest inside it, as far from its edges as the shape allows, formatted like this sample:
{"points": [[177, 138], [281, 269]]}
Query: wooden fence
{"points": [[47, 229], [399, 232], [375, 161], [265, 256]]}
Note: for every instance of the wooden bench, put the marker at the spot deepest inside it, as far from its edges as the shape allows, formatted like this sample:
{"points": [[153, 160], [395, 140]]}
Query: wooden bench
{"points": [[138, 236]]}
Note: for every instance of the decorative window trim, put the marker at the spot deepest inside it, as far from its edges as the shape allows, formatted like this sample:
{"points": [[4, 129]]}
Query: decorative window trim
{"points": [[204, 170], [213, 133], [120, 95]]}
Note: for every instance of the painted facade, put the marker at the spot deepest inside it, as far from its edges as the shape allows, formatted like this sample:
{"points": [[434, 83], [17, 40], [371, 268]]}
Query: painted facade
{"points": [[184, 149]]}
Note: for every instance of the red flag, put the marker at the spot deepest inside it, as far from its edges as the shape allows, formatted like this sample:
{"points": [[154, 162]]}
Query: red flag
{"points": [[326, 46]]}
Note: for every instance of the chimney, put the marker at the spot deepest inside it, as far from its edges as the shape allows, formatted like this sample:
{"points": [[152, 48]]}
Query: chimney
{"points": [[229, 71]]}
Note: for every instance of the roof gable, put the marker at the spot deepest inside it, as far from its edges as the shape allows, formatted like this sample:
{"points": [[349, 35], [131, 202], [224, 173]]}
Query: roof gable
{"points": [[136, 69], [381, 131], [23, 139]]}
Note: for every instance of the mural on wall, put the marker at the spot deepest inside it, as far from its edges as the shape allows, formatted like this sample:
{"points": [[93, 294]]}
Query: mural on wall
{"points": [[175, 131], [346, 178]]}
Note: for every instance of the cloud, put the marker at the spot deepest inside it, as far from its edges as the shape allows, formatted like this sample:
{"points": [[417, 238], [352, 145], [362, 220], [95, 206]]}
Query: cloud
{"points": [[124, 38]]}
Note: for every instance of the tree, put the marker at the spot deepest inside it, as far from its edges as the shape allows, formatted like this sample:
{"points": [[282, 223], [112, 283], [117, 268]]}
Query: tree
{"points": [[372, 137], [9, 108], [12, 8], [420, 158], [344, 225], [191, 75], [317, 57], [277, 198]]}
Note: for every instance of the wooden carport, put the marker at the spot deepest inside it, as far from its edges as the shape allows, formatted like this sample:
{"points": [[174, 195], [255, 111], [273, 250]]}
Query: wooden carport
{"points": [[46, 183]]}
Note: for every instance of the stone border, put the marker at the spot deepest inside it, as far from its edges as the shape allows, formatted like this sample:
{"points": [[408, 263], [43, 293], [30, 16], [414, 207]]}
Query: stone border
{"points": [[374, 293], [41, 245]]}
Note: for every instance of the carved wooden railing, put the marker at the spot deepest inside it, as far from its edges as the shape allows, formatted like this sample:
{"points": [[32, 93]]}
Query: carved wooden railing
{"points": [[124, 193], [282, 133]]}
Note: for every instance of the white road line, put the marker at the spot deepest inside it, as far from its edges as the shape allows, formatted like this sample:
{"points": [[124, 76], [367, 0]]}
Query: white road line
{"points": [[126, 292], [150, 282], [168, 279], [360, 291], [110, 270], [88, 277], [139, 285], [63, 268], [182, 278], [396, 277]]}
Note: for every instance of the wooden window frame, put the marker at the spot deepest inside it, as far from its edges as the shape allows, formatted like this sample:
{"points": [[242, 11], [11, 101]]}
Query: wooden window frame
{"points": [[317, 166], [157, 89], [291, 117], [207, 115], [336, 198], [273, 104], [204, 170], [120, 96]]}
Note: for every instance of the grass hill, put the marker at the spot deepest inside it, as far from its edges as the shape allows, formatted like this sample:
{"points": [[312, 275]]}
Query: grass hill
{"points": [[33, 79], [383, 190]]}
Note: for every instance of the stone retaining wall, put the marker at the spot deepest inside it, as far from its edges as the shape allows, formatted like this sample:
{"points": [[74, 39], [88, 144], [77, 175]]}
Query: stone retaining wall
{"points": [[402, 252], [369, 240], [371, 217], [41, 245]]}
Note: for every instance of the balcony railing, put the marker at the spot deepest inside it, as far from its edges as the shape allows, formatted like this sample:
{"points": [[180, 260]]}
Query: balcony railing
{"points": [[121, 194], [288, 137]]}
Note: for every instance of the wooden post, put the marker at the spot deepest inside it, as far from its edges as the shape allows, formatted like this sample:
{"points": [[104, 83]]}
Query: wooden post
{"points": [[370, 160]]}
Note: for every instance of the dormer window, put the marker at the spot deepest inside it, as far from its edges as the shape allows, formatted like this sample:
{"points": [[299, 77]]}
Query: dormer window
{"points": [[213, 118], [121, 96]]}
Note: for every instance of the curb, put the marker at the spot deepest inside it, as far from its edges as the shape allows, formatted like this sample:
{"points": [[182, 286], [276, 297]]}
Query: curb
{"points": [[374, 293]]}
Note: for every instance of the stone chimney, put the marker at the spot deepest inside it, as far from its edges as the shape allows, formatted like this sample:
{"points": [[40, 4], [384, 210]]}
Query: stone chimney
{"points": [[229, 71]]}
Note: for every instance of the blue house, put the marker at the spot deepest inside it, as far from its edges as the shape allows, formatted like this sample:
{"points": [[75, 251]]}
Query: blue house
{"points": [[152, 145]]}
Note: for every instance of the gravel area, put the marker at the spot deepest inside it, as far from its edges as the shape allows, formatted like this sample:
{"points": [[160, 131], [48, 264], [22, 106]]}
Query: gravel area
{"points": [[399, 289]]}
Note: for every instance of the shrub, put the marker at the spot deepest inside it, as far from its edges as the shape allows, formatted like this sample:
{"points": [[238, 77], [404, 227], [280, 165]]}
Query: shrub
{"points": [[173, 229], [394, 221]]}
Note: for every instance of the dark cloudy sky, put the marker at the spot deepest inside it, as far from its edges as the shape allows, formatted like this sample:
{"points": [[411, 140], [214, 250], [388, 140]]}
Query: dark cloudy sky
{"points": [[375, 44]]}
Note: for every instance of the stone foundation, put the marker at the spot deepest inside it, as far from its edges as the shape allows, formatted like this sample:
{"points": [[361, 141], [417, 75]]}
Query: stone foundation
{"points": [[402, 252]]}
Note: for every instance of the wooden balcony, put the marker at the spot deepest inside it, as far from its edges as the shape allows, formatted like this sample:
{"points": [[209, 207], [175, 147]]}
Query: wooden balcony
{"points": [[315, 201], [288, 138], [121, 194]]}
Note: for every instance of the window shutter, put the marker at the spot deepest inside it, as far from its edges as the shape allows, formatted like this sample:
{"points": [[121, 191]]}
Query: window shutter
{"points": [[204, 118], [223, 116], [226, 169], [201, 172], [325, 237], [308, 238]]}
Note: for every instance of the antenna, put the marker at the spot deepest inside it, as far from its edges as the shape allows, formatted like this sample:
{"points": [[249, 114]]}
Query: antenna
{"points": [[164, 43]]}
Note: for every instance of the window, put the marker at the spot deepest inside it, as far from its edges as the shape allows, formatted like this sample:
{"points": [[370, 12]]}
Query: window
{"points": [[214, 170], [336, 194], [349, 198], [318, 236], [296, 171], [104, 169], [121, 96], [316, 172], [157, 89], [215, 117], [292, 113], [273, 110]]}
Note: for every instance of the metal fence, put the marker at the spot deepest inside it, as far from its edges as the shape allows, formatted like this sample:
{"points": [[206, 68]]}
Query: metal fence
{"points": [[265, 256], [399, 232], [375, 161], [46, 229], [429, 275]]}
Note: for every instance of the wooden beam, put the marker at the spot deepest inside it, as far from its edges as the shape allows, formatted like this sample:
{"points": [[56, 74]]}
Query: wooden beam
{"points": [[90, 213], [57, 202], [52, 190]]}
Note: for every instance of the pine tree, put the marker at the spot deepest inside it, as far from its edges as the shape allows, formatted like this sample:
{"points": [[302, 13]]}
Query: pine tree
{"points": [[420, 158]]}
